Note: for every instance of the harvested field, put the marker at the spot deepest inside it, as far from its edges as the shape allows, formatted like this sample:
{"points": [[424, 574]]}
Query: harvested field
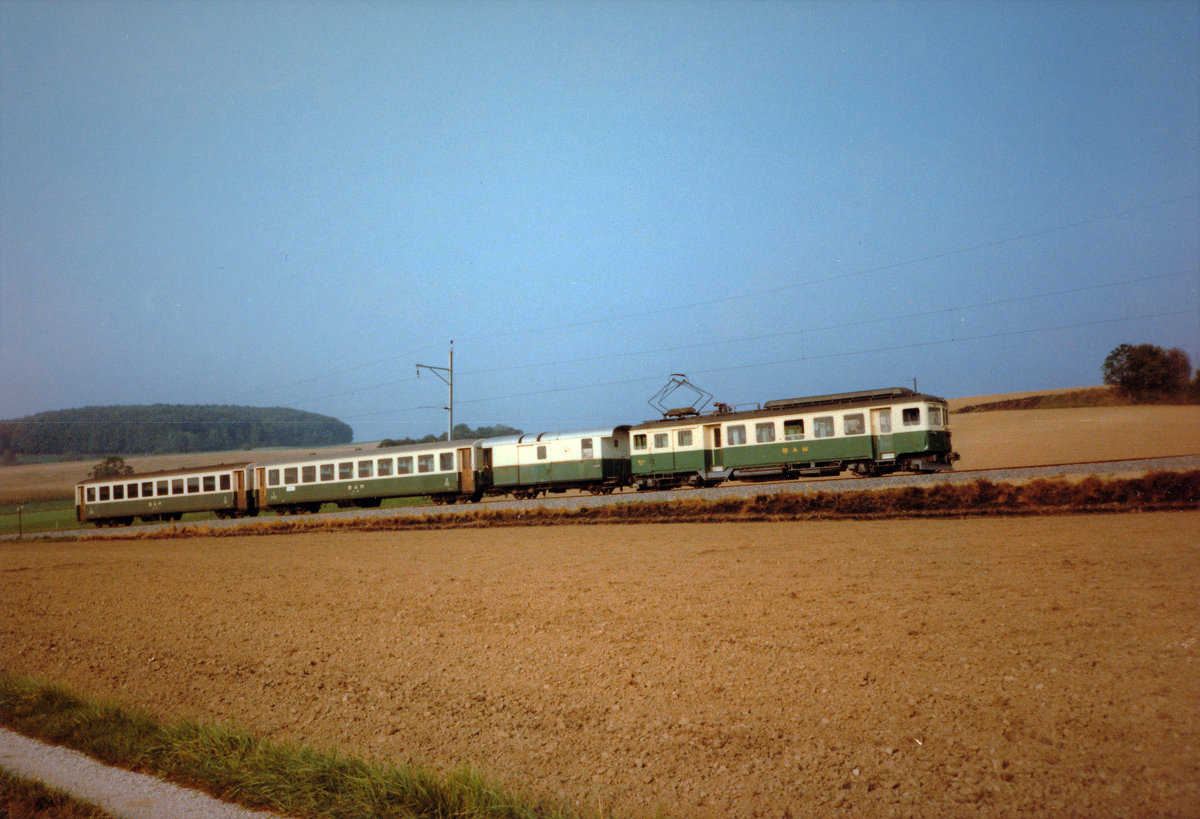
{"points": [[926, 667], [1013, 438]]}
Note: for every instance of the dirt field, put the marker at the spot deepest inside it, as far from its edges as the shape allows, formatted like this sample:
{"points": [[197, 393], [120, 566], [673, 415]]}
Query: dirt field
{"points": [[1030, 437], [1042, 666]]}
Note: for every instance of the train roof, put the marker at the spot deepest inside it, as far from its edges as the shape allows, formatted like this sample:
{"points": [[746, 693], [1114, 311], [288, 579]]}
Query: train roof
{"points": [[839, 400], [163, 473], [529, 437], [364, 451]]}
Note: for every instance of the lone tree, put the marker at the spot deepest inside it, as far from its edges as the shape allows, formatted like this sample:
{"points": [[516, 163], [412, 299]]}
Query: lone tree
{"points": [[111, 467], [1146, 371]]}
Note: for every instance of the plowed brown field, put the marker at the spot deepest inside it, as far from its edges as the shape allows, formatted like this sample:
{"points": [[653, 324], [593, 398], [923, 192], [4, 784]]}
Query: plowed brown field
{"points": [[933, 667]]}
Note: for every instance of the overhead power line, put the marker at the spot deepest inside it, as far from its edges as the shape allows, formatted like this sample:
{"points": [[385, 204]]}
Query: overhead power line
{"points": [[726, 299], [755, 365], [781, 334], [840, 326], [837, 276]]}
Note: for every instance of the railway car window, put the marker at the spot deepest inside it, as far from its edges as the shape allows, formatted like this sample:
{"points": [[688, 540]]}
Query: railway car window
{"points": [[131, 490], [225, 483], [735, 435], [541, 453], [662, 440], [289, 475], [446, 461], [424, 463], [272, 477], [935, 417], [162, 489], [683, 437], [365, 469], [194, 485], [639, 441], [884, 417], [104, 493], [911, 416], [793, 430], [148, 489], [327, 472], [854, 424], [764, 433], [91, 494], [384, 467], [177, 486], [585, 449], [404, 466], [308, 474], [823, 427], [345, 470], [210, 483], [118, 492]]}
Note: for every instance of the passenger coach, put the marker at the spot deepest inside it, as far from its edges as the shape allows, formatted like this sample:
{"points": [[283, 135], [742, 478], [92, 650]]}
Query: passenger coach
{"points": [[872, 432], [364, 478], [155, 496]]}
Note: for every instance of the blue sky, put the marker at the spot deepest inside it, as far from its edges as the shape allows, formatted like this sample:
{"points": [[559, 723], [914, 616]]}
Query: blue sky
{"points": [[293, 204]]}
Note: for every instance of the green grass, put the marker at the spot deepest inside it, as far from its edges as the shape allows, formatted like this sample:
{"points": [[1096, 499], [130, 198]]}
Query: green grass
{"points": [[45, 516], [59, 515], [232, 764]]}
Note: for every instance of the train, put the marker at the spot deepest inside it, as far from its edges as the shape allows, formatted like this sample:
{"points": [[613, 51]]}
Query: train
{"points": [[869, 432]]}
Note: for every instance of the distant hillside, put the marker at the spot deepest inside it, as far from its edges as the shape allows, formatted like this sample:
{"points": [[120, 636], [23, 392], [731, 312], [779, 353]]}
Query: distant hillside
{"points": [[167, 428]]}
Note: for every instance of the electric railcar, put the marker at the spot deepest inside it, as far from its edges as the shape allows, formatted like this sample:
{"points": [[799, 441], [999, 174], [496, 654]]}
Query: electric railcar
{"points": [[871, 433]]}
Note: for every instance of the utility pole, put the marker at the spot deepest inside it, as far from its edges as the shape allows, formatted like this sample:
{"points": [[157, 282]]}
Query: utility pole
{"points": [[447, 375]]}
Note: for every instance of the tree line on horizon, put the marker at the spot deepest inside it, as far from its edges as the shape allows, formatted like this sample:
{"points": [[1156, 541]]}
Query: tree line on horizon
{"points": [[167, 429], [1146, 373], [462, 432]]}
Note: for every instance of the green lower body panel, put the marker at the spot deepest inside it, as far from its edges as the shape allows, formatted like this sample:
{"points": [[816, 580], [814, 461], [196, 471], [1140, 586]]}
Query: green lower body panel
{"points": [[168, 505], [349, 491], [560, 472], [670, 463], [783, 453], [921, 443]]}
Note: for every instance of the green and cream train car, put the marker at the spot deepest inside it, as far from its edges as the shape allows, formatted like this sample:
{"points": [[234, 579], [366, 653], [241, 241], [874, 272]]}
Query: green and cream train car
{"points": [[872, 432], [525, 466], [364, 478], [168, 495]]}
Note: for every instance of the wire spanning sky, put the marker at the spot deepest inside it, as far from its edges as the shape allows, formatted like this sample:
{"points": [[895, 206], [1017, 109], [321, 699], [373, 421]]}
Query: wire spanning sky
{"points": [[295, 203]]}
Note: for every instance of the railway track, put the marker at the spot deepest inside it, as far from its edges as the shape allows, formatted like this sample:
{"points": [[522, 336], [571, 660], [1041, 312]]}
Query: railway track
{"points": [[733, 489]]}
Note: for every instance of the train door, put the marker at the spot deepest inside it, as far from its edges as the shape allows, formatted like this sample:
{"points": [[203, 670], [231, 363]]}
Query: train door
{"points": [[484, 464], [466, 474], [662, 451], [80, 508], [881, 429], [239, 490], [713, 456], [260, 485]]}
